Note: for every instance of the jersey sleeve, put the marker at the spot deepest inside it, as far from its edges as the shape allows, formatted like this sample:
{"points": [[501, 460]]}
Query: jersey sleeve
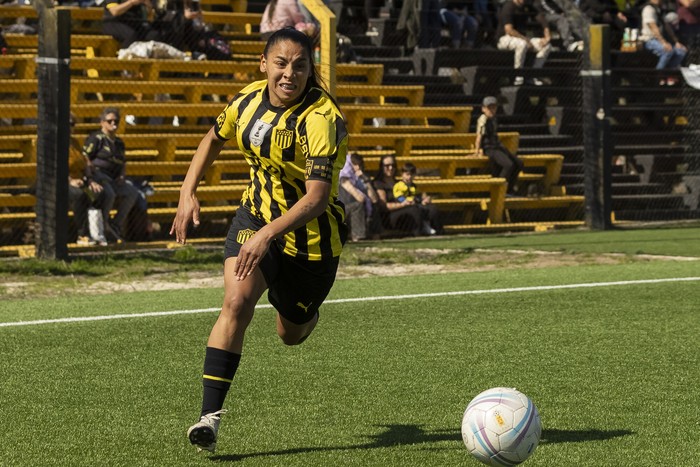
{"points": [[321, 136], [225, 126]]}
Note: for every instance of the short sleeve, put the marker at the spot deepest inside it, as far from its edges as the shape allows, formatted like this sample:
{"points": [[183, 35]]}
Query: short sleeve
{"points": [[320, 137], [225, 126]]}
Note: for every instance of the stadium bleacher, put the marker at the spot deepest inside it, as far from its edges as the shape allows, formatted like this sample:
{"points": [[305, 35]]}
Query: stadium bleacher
{"points": [[419, 104]]}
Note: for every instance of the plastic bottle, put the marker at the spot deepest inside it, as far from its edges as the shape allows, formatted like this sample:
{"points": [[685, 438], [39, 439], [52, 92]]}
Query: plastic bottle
{"points": [[317, 54]]}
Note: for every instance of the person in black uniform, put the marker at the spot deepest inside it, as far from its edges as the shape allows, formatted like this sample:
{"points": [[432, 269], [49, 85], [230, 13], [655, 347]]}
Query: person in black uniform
{"points": [[503, 163], [107, 155], [290, 228]]}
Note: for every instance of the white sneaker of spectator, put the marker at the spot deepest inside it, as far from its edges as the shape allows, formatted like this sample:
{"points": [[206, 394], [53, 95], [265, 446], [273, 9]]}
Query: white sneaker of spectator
{"points": [[130, 119]]}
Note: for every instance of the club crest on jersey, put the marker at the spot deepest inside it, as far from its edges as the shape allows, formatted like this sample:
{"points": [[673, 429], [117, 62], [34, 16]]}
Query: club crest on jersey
{"points": [[258, 132], [244, 235], [283, 138]]}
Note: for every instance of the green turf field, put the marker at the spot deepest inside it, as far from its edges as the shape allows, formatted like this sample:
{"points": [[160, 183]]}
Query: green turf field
{"points": [[613, 367]]}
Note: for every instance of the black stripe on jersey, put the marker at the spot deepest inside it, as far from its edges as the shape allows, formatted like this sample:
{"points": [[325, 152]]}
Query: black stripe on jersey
{"points": [[301, 238], [341, 131], [338, 211], [265, 146], [324, 227], [259, 112], [313, 95]]}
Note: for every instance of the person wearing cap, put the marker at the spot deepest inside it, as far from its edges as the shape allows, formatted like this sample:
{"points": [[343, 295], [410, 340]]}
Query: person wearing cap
{"points": [[502, 162]]}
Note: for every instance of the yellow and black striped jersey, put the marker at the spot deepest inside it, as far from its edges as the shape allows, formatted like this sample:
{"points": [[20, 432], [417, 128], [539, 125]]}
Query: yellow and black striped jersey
{"points": [[285, 147]]}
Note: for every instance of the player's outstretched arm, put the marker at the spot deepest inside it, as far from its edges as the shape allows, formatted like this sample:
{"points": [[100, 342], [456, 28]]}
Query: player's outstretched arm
{"points": [[188, 205]]}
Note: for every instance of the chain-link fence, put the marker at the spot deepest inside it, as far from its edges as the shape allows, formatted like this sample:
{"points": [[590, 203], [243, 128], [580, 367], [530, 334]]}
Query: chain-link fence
{"points": [[411, 83]]}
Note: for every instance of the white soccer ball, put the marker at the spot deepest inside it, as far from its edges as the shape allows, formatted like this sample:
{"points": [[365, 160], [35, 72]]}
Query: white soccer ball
{"points": [[501, 426]]}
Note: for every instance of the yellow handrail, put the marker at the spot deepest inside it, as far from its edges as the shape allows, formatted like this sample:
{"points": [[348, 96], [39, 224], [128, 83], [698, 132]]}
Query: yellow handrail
{"points": [[328, 40]]}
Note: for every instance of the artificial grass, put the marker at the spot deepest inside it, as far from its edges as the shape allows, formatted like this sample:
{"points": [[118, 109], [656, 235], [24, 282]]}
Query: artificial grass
{"points": [[612, 370]]}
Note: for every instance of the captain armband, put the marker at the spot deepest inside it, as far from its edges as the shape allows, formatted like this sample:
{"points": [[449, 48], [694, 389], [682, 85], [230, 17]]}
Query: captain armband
{"points": [[319, 168]]}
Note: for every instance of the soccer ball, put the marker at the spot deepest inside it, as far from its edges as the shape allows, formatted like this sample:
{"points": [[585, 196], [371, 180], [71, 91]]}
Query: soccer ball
{"points": [[501, 426]]}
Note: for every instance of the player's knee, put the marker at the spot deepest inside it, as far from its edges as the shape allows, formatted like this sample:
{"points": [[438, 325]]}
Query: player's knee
{"points": [[238, 308]]}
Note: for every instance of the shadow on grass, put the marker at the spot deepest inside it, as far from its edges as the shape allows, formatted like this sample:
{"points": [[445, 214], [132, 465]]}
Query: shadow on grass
{"points": [[576, 436], [393, 435], [399, 435]]}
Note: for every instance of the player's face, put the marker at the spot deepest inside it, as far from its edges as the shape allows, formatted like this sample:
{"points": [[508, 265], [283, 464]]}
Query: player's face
{"points": [[288, 69]]}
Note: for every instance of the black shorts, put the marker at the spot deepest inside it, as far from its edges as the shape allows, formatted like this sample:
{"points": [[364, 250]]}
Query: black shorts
{"points": [[297, 286]]}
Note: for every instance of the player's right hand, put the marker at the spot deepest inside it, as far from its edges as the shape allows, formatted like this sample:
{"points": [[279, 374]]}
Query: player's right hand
{"points": [[187, 210]]}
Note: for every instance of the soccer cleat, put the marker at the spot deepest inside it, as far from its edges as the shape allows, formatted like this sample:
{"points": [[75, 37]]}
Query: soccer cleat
{"points": [[202, 434]]}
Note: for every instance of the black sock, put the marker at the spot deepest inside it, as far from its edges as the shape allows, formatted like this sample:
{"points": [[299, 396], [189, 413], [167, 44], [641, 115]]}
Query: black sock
{"points": [[219, 368]]}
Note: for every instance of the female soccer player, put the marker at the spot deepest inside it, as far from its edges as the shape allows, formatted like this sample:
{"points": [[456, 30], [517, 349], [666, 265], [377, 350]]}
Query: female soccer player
{"points": [[289, 229]]}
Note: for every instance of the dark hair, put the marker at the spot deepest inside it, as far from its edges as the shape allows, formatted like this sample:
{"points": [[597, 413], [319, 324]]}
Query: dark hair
{"points": [[298, 37], [409, 167], [380, 172], [356, 159], [107, 111]]}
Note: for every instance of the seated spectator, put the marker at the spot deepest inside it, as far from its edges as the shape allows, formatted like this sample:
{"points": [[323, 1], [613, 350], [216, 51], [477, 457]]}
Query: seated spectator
{"points": [[422, 22], [463, 27], [571, 36], [606, 12], [107, 154], [689, 22], [358, 195], [660, 39], [127, 21], [83, 191], [280, 14], [406, 190], [403, 215], [503, 163], [512, 21]]}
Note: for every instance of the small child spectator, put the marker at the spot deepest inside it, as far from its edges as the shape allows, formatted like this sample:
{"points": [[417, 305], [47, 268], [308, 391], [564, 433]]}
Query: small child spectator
{"points": [[405, 190], [503, 163]]}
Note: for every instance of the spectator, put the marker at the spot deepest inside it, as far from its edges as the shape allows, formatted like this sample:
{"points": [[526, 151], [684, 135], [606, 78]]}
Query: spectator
{"points": [[571, 36], [670, 52], [397, 215], [359, 197], [406, 190], [83, 191], [280, 14], [127, 21], [106, 152], [503, 163], [422, 22], [606, 12], [689, 22], [463, 27], [512, 21]]}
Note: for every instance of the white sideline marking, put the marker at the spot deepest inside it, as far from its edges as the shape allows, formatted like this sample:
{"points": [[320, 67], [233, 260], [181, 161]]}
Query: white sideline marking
{"points": [[359, 299]]}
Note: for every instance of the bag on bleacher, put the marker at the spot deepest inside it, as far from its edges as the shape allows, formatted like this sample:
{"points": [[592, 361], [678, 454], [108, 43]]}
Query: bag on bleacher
{"points": [[151, 49], [214, 46]]}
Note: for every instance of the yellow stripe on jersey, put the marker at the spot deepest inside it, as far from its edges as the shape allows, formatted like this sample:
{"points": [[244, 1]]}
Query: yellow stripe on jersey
{"points": [[216, 378], [286, 147]]}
